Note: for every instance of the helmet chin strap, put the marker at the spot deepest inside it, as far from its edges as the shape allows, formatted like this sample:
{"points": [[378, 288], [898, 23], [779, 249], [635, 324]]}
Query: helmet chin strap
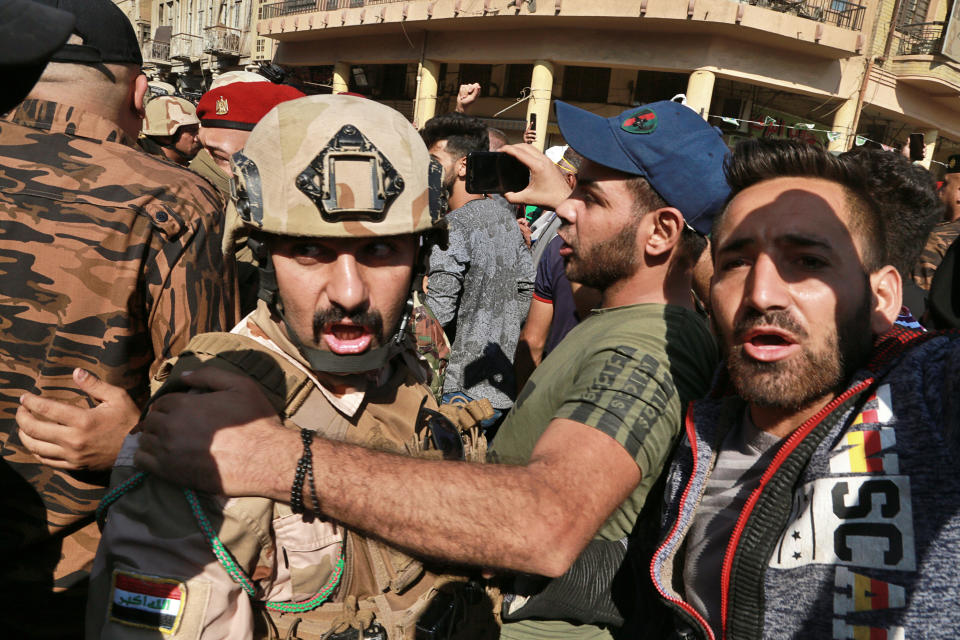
{"points": [[319, 359]]}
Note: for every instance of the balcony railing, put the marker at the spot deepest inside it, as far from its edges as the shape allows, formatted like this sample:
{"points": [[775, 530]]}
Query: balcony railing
{"points": [[842, 13], [156, 52], [922, 38], [186, 46], [293, 7], [221, 41]]}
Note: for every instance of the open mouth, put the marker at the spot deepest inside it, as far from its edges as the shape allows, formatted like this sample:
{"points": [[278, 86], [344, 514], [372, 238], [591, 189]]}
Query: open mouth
{"points": [[346, 339], [769, 345]]}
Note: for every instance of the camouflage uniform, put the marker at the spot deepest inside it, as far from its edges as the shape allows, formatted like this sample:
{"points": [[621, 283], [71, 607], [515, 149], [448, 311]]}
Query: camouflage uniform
{"points": [[939, 241], [110, 261], [193, 565]]}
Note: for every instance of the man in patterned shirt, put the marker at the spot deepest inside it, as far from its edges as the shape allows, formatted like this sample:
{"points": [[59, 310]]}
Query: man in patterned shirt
{"points": [[110, 261], [481, 284], [592, 428]]}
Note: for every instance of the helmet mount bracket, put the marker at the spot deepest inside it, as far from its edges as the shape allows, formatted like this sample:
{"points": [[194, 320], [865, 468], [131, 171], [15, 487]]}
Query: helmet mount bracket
{"points": [[349, 148]]}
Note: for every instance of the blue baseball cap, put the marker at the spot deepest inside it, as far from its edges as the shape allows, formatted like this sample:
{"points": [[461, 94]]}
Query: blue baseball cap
{"points": [[679, 154]]}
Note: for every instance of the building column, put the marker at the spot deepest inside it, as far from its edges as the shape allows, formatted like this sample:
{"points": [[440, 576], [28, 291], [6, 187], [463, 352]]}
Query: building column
{"points": [[929, 146], [425, 103], [700, 91], [341, 77], [843, 124], [541, 90]]}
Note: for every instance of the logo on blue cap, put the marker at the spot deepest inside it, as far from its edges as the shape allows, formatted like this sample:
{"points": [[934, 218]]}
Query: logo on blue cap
{"points": [[641, 121]]}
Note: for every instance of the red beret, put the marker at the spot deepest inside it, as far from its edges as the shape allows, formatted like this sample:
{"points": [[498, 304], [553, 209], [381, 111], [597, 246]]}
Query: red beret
{"points": [[240, 105]]}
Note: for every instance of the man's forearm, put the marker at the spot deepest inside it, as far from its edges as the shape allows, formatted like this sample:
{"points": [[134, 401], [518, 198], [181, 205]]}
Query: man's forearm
{"points": [[495, 516], [532, 518]]}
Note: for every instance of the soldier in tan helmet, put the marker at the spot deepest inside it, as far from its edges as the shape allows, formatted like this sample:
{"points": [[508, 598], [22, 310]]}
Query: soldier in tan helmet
{"points": [[170, 129], [338, 198]]}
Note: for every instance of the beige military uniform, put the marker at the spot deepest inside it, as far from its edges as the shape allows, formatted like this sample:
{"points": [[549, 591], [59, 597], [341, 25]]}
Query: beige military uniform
{"points": [[192, 566]]}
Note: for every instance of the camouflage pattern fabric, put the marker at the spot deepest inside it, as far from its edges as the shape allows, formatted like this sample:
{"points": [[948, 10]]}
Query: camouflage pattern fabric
{"points": [[300, 143], [165, 114], [433, 347], [109, 260], [939, 241]]}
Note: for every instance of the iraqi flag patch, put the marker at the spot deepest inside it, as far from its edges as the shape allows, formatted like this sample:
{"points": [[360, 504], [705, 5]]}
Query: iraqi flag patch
{"points": [[147, 602]]}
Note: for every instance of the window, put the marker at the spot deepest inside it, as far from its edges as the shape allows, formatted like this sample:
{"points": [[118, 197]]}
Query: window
{"points": [[393, 84], [381, 81], [913, 12], [658, 85], [470, 73], [586, 84], [260, 45], [519, 77]]}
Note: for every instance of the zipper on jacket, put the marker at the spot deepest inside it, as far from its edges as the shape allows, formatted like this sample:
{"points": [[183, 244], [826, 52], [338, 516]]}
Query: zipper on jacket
{"points": [[795, 438], [677, 603]]}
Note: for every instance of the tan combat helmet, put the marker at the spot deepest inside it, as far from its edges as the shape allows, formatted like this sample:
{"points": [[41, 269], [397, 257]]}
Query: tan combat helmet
{"points": [[166, 114], [334, 166], [337, 166]]}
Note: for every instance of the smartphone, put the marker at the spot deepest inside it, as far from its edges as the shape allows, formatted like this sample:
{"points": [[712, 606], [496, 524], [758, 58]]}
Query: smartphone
{"points": [[495, 172], [916, 147], [533, 122]]}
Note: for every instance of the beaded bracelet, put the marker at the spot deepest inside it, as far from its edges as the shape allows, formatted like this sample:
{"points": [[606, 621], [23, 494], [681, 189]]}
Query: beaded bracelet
{"points": [[304, 468], [307, 437]]}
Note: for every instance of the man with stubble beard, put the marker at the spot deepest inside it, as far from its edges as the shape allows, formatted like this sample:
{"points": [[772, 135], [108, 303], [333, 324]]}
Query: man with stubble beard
{"points": [[814, 495]]}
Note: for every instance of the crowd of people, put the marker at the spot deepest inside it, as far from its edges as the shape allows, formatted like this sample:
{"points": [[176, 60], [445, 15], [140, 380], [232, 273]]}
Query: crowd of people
{"points": [[271, 370]]}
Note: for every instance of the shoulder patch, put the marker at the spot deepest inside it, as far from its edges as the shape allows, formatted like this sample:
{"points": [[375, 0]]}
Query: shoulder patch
{"points": [[147, 602]]}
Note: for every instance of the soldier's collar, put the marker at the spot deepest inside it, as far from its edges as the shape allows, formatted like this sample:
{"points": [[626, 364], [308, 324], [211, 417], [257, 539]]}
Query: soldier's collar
{"points": [[57, 117]]}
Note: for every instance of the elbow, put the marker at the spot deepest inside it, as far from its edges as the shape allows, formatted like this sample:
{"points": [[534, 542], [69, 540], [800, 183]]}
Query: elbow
{"points": [[556, 548]]}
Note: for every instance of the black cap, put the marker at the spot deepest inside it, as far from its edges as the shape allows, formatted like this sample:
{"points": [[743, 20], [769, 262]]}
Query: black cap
{"points": [[30, 32], [107, 34]]}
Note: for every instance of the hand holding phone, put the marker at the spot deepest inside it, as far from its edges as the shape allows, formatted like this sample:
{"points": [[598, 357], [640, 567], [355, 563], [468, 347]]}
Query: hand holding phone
{"points": [[495, 172], [916, 147]]}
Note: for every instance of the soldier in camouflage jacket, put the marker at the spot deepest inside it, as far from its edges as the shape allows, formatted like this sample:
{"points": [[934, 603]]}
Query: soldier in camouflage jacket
{"points": [[111, 261]]}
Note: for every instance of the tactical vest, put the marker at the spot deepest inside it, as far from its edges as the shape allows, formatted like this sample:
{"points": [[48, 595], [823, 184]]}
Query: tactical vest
{"points": [[373, 590]]}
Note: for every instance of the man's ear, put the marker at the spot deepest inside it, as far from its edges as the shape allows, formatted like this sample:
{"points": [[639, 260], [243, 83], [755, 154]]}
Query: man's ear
{"points": [[887, 289], [139, 91], [666, 226], [462, 167]]}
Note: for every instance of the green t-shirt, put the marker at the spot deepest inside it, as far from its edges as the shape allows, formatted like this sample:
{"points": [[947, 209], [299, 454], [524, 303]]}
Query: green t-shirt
{"points": [[629, 372]]}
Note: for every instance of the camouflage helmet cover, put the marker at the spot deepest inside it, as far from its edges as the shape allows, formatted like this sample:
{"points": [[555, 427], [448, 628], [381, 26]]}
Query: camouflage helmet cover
{"points": [[165, 114], [384, 181]]}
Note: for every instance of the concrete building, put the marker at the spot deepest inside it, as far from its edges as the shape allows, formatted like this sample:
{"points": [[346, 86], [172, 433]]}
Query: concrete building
{"points": [[190, 42], [840, 71]]}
